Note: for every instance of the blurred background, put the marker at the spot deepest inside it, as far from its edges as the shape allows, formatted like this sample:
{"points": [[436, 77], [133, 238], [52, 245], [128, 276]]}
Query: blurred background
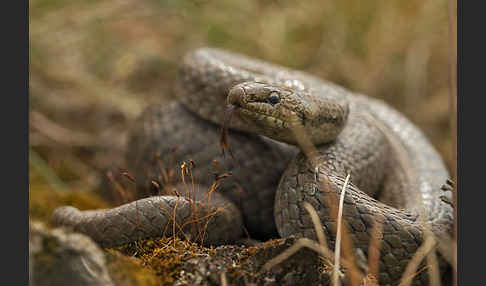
{"points": [[94, 66]]}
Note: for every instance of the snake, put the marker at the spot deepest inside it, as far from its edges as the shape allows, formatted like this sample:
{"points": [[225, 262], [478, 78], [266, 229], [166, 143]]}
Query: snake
{"points": [[294, 139]]}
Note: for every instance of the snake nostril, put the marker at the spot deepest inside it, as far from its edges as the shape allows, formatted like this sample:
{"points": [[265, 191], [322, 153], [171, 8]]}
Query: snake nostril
{"points": [[236, 95]]}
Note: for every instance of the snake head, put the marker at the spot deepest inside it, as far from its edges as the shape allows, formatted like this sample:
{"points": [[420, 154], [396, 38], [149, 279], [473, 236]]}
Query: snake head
{"points": [[275, 111]]}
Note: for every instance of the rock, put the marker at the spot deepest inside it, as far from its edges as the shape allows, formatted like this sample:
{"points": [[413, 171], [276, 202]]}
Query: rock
{"points": [[61, 257]]}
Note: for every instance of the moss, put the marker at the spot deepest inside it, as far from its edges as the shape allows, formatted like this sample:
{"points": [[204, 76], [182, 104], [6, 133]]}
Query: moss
{"points": [[125, 270], [43, 200], [164, 256]]}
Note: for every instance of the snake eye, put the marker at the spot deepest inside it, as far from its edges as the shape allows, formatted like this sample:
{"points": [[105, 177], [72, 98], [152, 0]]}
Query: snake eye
{"points": [[273, 99]]}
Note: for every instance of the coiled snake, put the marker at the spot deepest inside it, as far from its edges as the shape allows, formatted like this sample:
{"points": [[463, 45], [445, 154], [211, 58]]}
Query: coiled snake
{"points": [[386, 156]]}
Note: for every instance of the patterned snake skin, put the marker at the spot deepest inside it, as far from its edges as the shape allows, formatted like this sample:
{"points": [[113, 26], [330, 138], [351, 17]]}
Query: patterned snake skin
{"points": [[396, 175]]}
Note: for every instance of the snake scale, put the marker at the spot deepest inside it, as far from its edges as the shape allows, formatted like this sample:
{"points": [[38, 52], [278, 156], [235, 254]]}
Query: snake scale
{"points": [[396, 175]]}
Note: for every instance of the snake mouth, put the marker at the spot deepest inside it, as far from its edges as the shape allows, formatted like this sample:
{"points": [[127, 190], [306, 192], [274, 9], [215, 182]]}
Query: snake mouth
{"points": [[256, 115]]}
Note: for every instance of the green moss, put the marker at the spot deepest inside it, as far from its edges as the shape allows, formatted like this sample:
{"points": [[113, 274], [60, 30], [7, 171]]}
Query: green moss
{"points": [[43, 200], [125, 270], [164, 256]]}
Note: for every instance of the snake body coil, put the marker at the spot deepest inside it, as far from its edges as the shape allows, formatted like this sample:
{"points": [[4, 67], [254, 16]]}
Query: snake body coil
{"points": [[386, 155]]}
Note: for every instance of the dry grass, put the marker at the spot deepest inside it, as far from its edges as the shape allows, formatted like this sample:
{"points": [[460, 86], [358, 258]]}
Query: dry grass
{"points": [[337, 250], [333, 260], [194, 228]]}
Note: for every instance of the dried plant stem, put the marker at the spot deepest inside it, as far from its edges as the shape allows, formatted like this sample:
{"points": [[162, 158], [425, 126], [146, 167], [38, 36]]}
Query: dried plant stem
{"points": [[337, 249], [174, 222], [434, 272], [118, 188], [300, 243], [224, 281], [444, 246], [317, 224], [411, 271], [374, 249], [311, 153]]}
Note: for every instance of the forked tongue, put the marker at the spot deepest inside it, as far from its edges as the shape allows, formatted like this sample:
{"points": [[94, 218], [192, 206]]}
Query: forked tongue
{"points": [[223, 141]]}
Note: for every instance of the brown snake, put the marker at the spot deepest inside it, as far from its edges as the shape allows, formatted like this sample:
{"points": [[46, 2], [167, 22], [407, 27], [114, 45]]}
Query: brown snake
{"points": [[387, 157]]}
